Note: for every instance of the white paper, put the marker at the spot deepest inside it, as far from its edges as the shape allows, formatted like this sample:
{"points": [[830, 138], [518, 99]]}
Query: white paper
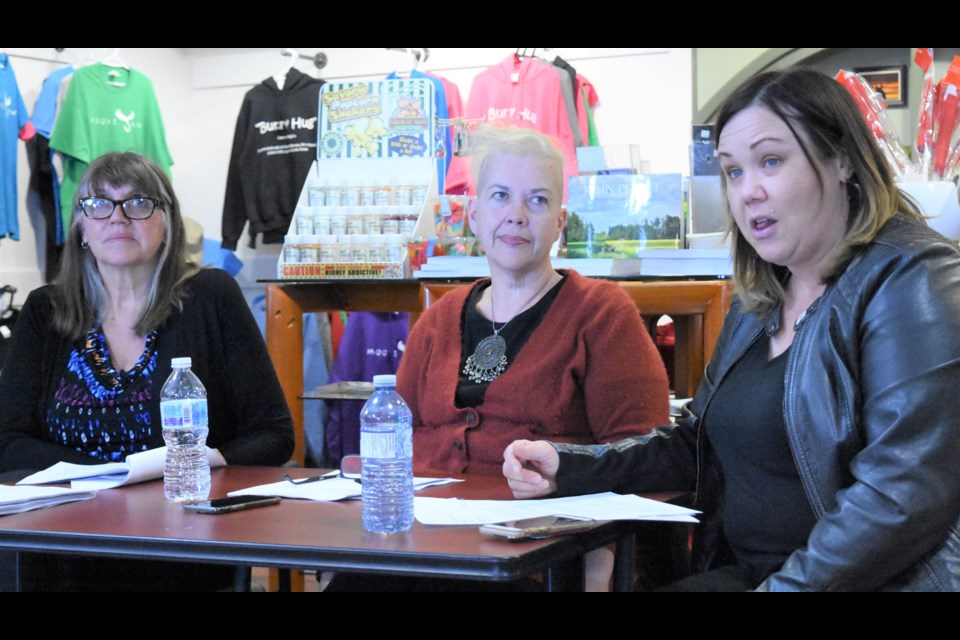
{"points": [[599, 506], [325, 490], [138, 467], [20, 499]]}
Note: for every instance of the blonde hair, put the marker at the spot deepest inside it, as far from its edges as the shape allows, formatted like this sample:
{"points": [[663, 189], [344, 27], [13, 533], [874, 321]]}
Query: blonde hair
{"points": [[79, 295], [488, 140], [817, 110]]}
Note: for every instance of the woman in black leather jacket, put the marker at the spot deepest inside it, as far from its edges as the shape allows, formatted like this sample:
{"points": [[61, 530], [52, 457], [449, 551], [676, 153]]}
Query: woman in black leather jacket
{"points": [[823, 441]]}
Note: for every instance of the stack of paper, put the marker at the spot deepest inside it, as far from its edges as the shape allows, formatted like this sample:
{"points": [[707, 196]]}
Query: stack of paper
{"points": [[138, 467], [330, 489], [599, 506], [20, 499]]}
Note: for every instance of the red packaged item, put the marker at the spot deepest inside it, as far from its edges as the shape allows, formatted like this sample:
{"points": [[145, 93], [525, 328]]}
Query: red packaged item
{"points": [[925, 122], [946, 117], [874, 112]]}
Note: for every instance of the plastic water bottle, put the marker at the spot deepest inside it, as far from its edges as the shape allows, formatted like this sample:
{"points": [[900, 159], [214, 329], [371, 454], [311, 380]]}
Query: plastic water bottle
{"points": [[386, 450], [183, 412]]}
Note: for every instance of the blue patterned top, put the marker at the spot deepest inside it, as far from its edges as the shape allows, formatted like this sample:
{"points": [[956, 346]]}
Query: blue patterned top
{"points": [[98, 410]]}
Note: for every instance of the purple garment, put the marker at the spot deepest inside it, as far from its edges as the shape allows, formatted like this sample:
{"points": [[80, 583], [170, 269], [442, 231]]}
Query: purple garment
{"points": [[372, 344]]}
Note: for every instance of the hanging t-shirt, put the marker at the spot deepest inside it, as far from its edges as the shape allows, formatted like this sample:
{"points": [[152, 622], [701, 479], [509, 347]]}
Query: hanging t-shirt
{"points": [[274, 145], [44, 188], [587, 101], [14, 123], [106, 109], [525, 93]]}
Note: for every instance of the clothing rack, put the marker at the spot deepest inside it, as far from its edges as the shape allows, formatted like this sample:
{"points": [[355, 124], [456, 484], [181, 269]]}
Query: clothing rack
{"points": [[319, 58], [420, 55], [21, 56], [529, 53]]}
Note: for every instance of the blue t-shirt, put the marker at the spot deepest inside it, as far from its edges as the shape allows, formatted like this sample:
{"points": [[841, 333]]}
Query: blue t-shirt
{"points": [[13, 116], [45, 110], [44, 115]]}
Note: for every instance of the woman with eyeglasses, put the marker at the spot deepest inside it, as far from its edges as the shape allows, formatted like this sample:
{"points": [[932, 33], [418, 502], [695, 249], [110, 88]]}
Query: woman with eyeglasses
{"points": [[91, 351]]}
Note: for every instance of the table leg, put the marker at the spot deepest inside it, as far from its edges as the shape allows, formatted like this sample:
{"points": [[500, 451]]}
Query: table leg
{"points": [[241, 578], [624, 563], [565, 576]]}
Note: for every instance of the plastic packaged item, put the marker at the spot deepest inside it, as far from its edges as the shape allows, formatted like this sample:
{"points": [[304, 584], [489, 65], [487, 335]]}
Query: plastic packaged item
{"points": [[291, 249], [334, 195], [355, 222], [408, 221], [316, 195], [376, 249], [358, 248], [403, 194], [383, 195], [350, 195], [329, 247], [309, 249], [367, 190], [373, 222], [304, 223], [394, 247], [338, 221], [321, 222]]}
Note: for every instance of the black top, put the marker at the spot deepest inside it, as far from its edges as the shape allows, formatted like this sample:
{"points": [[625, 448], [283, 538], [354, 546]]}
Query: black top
{"points": [[766, 514], [475, 327]]}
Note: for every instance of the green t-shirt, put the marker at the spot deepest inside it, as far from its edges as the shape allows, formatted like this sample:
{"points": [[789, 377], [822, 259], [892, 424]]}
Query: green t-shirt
{"points": [[106, 109]]}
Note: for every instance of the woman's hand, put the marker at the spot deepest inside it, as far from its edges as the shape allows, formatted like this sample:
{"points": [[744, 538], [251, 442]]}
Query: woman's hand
{"points": [[531, 468]]}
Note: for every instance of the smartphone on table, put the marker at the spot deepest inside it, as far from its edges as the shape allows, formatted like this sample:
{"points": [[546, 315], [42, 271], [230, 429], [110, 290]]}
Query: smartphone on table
{"points": [[228, 505], [539, 528]]}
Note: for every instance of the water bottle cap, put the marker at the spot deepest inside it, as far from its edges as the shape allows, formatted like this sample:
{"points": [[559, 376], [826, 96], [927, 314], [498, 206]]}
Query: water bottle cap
{"points": [[385, 381], [181, 363]]}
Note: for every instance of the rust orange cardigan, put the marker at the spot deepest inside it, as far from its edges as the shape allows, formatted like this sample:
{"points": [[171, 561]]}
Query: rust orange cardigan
{"points": [[588, 374]]}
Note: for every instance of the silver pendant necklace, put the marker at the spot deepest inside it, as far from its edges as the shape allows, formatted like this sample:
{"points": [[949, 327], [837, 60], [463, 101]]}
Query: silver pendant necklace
{"points": [[489, 359]]}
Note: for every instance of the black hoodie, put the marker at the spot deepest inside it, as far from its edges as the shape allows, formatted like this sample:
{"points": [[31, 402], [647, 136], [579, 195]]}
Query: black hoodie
{"points": [[273, 147]]}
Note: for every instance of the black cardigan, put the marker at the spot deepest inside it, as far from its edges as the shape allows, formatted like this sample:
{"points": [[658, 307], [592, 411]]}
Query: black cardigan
{"points": [[249, 419]]}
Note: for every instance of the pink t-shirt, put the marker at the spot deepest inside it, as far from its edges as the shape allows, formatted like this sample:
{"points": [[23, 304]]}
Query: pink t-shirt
{"points": [[522, 92]]}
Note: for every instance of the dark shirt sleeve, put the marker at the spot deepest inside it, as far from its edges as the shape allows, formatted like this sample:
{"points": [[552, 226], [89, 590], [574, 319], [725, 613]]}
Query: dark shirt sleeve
{"points": [[249, 419], [23, 386], [234, 207], [662, 460]]}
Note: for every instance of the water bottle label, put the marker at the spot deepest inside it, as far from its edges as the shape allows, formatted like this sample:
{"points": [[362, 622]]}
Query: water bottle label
{"points": [[387, 444], [177, 414]]}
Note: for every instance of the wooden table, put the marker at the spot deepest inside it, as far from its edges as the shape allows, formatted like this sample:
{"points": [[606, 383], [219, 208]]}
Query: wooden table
{"points": [[697, 308], [137, 522]]}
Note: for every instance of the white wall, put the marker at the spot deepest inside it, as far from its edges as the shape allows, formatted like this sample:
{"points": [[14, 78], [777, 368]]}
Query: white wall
{"points": [[21, 262], [645, 99]]}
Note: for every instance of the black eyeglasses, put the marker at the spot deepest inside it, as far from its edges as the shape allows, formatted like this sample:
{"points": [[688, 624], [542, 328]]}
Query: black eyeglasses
{"points": [[135, 208], [349, 469]]}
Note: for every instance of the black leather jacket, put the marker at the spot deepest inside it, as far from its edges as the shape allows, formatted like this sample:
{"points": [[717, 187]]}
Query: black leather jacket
{"points": [[872, 411]]}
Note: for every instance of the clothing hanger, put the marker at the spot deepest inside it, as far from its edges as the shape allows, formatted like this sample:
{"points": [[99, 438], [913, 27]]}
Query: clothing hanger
{"points": [[281, 77], [419, 56], [114, 60]]}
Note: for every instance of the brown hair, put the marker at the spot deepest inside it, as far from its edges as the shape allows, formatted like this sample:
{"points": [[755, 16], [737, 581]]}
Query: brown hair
{"points": [[79, 294], [825, 122]]}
